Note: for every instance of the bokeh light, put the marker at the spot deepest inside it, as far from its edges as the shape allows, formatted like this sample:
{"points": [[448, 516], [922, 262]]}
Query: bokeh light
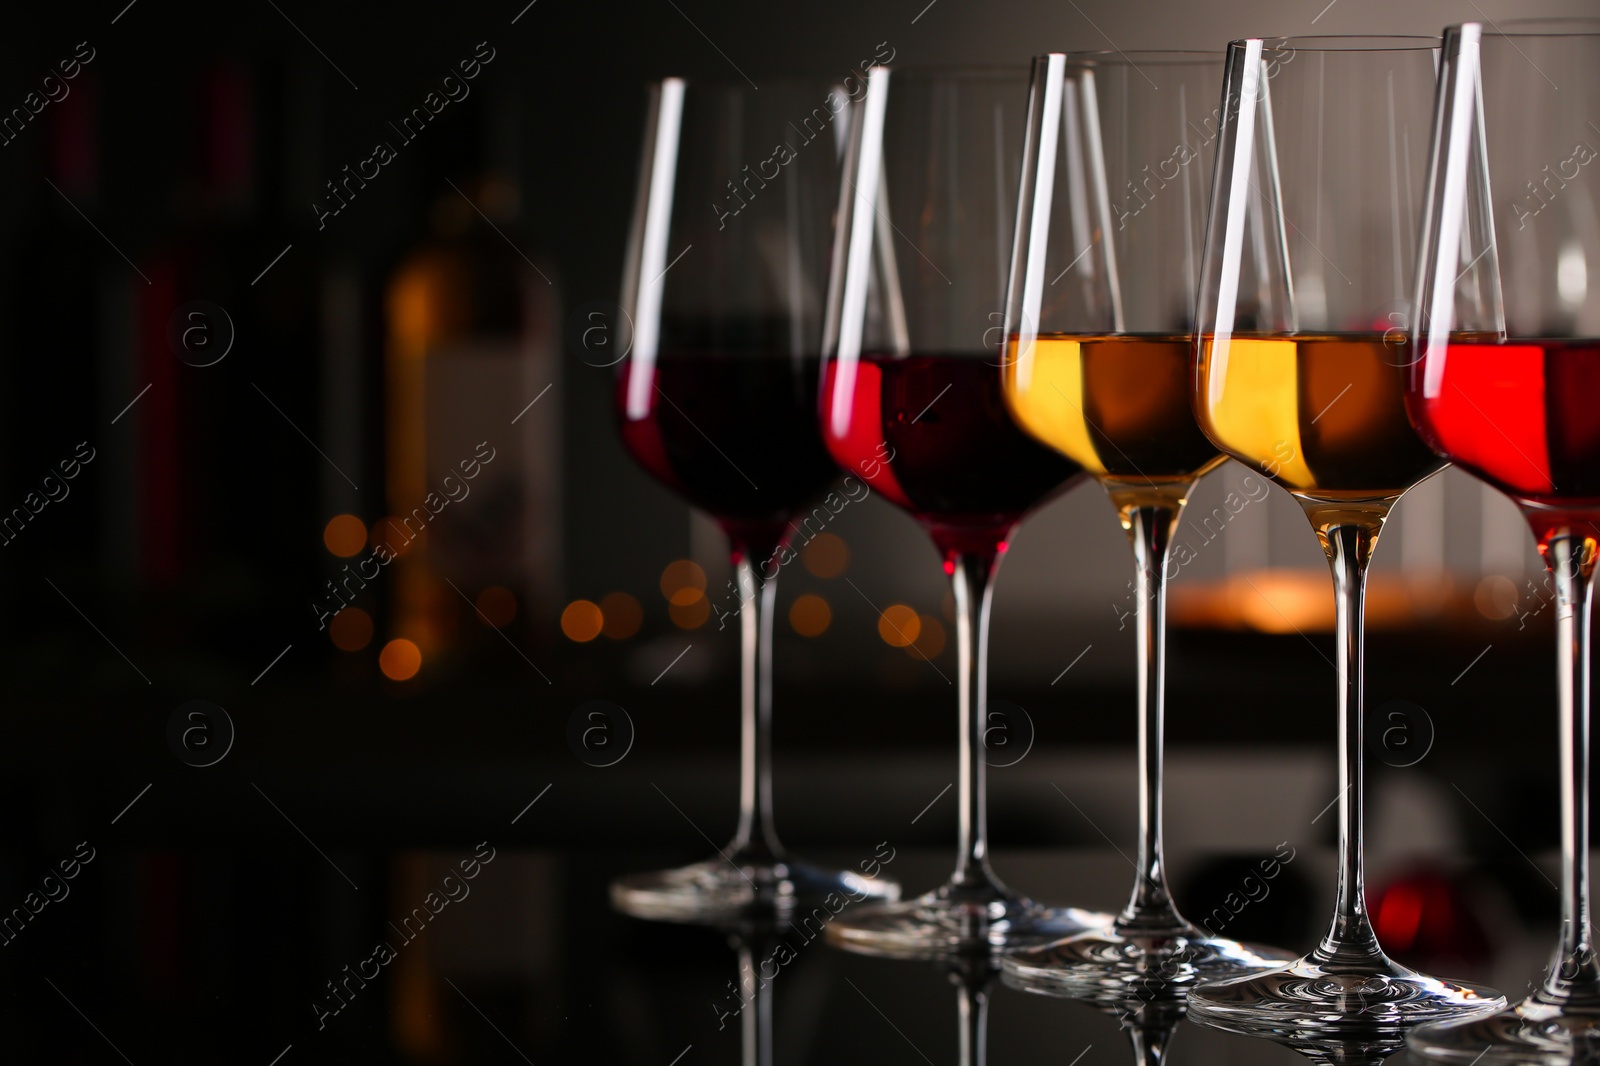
{"points": [[899, 625], [351, 629], [810, 615], [623, 615], [826, 556], [344, 535], [498, 605], [582, 621], [683, 582], [388, 531], [1496, 597], [400, 660], [690, 615], [930, 641]]}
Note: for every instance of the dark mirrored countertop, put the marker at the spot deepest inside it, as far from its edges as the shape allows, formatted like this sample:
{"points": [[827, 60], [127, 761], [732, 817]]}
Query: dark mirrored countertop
{"points": [[484, 951]]}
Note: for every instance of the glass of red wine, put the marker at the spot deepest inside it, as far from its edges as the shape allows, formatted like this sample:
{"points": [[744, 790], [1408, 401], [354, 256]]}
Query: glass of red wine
{"points": [[911, 404], [1100, 334], [716, 397], [1506, 384]]}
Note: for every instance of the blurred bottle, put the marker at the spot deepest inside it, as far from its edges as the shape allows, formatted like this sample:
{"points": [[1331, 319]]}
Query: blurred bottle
{"points": [[60, 267], [472, 471], [226, 463]]}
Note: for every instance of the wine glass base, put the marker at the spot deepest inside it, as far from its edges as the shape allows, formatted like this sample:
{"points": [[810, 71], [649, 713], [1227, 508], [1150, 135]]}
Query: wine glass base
{"points": [[1104, 965], [949, 922], [1530, 1032], [719, 889], [1313, 996]]}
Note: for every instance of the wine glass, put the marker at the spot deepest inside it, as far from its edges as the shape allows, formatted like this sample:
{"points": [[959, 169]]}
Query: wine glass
{"points": [[911, 404], [1507, 349], [1100, 327], [716, 397], [1304, 298]]}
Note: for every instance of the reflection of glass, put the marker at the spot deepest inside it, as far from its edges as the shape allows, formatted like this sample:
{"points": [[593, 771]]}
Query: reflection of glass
{"points": [[911, 404], [1504, 385], [1150, 1022], [1100, 323], [754, 943], [716, 398], [972, 977], [1308, 265]]}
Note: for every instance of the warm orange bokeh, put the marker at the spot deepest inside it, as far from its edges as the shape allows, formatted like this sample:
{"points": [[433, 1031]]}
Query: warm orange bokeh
{"points": [[351, 629], [582, 621], [400, 660], [810, 615], [899, 625], [344, 535], [623, 615], [498, 605]]}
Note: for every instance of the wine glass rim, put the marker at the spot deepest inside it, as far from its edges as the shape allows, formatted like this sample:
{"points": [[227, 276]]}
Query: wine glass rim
{"points": [[958, 71], [1526, 27], [1350, 42], [721, 83], [1151, 56]]}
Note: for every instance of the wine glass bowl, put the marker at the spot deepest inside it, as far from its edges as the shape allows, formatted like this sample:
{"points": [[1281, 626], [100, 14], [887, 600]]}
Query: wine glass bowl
{"points": [[911, 403], [716, 398], [1098, 367], [1507, 358], [1304, 305]]}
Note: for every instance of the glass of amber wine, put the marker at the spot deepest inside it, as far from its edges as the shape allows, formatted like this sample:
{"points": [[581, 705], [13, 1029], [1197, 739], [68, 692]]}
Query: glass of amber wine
{"points": [[1504, 384], [1303, 309], [1100, 323]]}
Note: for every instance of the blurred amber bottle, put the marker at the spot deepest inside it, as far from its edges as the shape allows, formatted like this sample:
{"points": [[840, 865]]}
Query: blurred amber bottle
{"points": [[472, 477]]}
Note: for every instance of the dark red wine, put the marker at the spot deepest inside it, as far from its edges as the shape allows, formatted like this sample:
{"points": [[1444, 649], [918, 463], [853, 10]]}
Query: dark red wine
{"points": [[932, 434], [736, 436], [1523, 416]]}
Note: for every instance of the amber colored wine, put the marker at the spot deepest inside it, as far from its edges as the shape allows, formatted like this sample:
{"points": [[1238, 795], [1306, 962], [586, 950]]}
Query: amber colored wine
{"points": [[1117, 405], [1322, 415]]}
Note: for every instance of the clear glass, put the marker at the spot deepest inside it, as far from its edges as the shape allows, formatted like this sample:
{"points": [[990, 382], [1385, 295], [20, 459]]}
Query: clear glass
{"points": [[716, 395], [1303, 310], [1504, 384], [911, 405], [1099, 325]]}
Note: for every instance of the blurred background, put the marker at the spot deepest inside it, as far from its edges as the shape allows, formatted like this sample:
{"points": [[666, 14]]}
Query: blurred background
{"points": [[270, 278]]}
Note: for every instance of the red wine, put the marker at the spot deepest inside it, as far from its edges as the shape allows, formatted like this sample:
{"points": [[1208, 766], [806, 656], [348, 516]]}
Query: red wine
{"points": [[736, 436], [1523, 416], [933, 435]]}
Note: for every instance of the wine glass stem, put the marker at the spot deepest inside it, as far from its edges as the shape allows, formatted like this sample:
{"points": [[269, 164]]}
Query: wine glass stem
{"points": [[1150, 529], [1571, 562], [972, 581], [756, 1017], [973, 1008], [756, 837], [1350, 938]]}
